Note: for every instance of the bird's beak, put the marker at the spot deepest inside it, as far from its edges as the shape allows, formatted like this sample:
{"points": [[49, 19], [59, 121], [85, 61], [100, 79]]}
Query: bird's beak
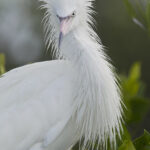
{"points": [[64, 23]]}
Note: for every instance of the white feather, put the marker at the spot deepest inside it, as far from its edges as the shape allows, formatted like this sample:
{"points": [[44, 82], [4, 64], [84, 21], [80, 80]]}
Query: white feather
{"points": [[38, 98], [52, 105]]}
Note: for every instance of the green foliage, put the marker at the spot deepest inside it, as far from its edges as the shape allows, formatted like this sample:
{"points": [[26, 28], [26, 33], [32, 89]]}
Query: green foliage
{"points": [[148, 15], [127, 145], [136, 108], [133, 95], [139, 11], [143, 142], [130, 8], [2, 64]]}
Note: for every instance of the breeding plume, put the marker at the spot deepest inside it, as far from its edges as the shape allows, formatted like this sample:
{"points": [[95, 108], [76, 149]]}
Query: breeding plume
{"points": [[52, 105]]}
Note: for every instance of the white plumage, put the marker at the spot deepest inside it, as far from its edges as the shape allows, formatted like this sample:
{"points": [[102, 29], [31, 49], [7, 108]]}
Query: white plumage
{"points": [[51, 105]]}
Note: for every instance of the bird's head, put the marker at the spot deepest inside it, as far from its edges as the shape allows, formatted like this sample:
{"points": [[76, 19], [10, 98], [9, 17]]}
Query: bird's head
{"points": [[63, 16], [67, 16]]}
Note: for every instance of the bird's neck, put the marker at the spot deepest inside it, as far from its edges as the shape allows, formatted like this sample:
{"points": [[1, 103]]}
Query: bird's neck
{"points": [[97, 99], [79, 48], [82, 52]]}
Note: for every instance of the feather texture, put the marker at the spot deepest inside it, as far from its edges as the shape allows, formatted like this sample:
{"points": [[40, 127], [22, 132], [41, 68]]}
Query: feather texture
{"points": [[97, 96], [35, 99], [81, 90]]}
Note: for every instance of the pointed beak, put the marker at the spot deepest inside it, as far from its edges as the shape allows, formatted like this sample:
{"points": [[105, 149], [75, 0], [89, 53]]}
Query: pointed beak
{"points": [[64, 23]]}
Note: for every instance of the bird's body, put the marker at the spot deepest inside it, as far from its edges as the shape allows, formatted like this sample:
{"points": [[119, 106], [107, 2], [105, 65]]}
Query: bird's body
{"points": [[42, 103], [51, 105]]}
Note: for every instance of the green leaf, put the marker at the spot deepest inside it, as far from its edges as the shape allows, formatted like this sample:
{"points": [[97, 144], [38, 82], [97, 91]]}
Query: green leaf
{"points": [[133, 89], [130, 8], [148, 15], [2, 64], [143, 142], [131, 85], [135, 71], [126, 134], [127, 145]]}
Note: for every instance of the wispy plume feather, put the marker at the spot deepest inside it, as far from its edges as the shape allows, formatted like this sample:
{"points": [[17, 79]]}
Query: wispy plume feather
{"points": [[98, 107]]}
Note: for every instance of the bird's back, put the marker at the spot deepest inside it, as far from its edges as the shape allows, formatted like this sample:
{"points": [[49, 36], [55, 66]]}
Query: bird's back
{"points": [[33, 100]]}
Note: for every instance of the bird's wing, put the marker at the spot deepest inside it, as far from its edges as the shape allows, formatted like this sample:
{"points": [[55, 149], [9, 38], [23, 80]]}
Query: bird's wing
{"points": [[68, 136], [21, 81], [33, 100], [54, 132]]}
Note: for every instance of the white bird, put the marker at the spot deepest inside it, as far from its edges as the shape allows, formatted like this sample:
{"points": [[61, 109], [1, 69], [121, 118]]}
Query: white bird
{"points": [[51, 105]]}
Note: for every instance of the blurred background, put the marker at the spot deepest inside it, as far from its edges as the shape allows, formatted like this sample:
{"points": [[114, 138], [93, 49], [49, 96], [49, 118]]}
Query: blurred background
{"points": [[124, 32]]}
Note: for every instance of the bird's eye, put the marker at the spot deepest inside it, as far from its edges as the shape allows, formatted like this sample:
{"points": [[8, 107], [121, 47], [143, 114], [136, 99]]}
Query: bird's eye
{"points": [[73, 14]]}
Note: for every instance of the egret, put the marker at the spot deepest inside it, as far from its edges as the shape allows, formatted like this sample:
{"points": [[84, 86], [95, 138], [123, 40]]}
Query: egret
{"points": [[51, 105]]}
